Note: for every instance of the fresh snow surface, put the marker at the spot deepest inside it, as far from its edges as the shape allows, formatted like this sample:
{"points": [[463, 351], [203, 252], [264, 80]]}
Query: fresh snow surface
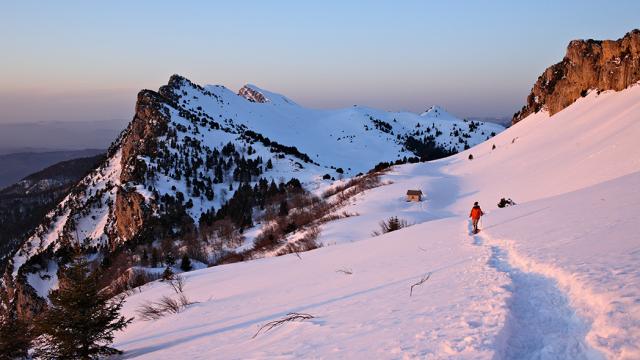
{"points": [[554, 277]]}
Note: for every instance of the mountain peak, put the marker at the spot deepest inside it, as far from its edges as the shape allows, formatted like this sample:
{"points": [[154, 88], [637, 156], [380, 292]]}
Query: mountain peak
{"points": [[438, 112]]}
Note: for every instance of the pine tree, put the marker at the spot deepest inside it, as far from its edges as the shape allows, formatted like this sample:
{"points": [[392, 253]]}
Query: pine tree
{"points": [[167, 274], [80, 322], [284, 208], [393, 224], [144, 260], [155, 258], [169, 259], [185, 264], [15, 336]]}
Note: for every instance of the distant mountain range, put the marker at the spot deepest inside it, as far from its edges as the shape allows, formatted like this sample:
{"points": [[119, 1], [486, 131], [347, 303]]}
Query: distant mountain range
{"points": [[46, 136], [16, 166]]}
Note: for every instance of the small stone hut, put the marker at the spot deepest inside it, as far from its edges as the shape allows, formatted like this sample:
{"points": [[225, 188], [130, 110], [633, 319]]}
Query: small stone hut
{"points": [[414, 195]]}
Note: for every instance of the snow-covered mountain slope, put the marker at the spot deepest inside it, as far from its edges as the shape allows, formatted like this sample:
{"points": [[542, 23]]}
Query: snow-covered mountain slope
{"points": [[554, 277], [188, 150]]}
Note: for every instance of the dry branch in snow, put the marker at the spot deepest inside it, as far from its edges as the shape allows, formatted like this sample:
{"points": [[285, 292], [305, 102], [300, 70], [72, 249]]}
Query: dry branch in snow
{"points": [[422, 281], [290, 317], [345, 271]]}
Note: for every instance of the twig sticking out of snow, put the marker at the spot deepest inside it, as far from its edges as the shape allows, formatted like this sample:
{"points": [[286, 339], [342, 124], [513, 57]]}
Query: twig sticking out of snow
{"points": [[290, 317], [345, 271], [422, 281]]}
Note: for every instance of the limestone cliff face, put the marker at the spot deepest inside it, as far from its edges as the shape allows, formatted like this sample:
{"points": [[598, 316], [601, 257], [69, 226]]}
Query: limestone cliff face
{"points": [[588, 64], [130, 215], [17, 294], [149, 122], [140, 141]]}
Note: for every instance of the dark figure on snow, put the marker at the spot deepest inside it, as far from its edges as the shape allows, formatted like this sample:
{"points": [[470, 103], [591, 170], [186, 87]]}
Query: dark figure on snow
{"points": [[475, 215]]}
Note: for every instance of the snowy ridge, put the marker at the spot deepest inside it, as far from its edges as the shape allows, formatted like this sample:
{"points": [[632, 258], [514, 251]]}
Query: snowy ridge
{"points": [[555, 276]]}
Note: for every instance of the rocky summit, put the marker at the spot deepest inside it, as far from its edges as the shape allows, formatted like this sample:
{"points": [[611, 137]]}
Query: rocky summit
{"points": [[588, 65]]}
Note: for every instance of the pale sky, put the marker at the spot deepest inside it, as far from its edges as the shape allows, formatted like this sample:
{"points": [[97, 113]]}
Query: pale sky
{"points": [[86, 60]]}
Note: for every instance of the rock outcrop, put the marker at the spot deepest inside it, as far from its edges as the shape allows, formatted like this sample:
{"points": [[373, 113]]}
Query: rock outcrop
{"points": [[148, 124], [588, 64], [21, 297], [252, 95]]}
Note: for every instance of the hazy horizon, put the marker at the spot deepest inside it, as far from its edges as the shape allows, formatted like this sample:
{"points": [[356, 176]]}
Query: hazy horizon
{"points": [[77, 61]]}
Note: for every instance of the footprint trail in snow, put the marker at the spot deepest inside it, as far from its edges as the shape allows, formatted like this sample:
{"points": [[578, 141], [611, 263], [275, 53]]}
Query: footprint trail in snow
{"points": [[541, 324]]}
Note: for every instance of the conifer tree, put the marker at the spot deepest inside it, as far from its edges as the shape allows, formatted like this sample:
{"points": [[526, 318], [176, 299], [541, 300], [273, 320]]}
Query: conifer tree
{"points": [[16, 336], [284, 208], [81, 320], [155, 258], [167, 274], [185, 264], [169, 259], [144, 260]]}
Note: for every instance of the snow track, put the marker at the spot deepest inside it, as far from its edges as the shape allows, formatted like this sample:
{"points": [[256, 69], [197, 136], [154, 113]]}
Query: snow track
{"points": [[540, 323]]}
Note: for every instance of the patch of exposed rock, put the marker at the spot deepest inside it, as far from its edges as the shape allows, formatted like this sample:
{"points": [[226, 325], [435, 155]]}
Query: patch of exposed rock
{"points": [[252, 95], [588, 64]]}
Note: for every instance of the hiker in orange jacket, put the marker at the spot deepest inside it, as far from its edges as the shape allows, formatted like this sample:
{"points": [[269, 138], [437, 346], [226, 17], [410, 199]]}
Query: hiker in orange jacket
{"points": [[475, 215]]}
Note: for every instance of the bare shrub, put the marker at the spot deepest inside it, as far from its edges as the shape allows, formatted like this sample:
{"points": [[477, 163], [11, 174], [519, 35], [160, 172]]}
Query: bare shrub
{"points": [[289, 318], [194, 248], [269, 237], [220, 234], [306, 213], [177, 284], [333, 217], [231, 257], [169, 305], [166, 304], [360, 183], [149, 311], [113, 277], [228, 233], [129, 280], [301, 200], [389, 225], [309, 240], [305, 243], [141, 277]]}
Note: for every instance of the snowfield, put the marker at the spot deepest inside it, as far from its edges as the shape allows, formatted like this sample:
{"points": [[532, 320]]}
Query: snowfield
{"points": [[555, 277]]}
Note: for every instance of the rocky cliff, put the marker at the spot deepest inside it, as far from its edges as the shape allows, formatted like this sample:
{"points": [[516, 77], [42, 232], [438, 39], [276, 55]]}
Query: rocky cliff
{"points": [[588, 64]]}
